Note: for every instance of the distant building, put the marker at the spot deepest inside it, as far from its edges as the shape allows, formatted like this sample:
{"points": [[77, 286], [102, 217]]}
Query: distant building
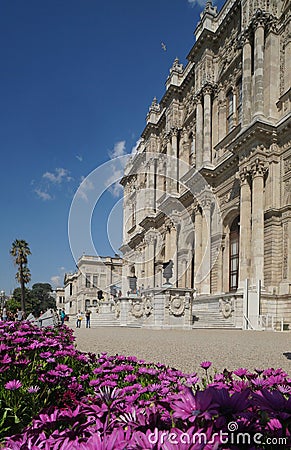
{"points": [[97, 279], [224, 119], [59, 294]]}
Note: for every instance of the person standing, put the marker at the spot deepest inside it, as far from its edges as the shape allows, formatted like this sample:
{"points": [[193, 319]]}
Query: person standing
{"points": [[4, 314], [19, 315], [88, 317], [79, 319], [63, 315]]}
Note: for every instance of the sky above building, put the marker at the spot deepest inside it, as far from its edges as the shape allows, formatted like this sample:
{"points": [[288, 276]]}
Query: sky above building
{"points": [[77, 78]]}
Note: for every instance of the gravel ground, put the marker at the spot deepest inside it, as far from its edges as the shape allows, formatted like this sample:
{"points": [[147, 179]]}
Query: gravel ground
{"points": [[185, 350]]}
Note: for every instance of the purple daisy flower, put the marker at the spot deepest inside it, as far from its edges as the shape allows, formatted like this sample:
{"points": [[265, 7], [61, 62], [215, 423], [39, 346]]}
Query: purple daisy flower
{"points": [[33, 389], [205, 364], [13, 385]]}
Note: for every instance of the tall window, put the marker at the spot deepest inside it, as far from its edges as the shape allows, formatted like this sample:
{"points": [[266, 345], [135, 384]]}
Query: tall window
{"points": [[239, 101], [95, 281], [87, 280], [87, 303], [230, 122], [234, 255]]}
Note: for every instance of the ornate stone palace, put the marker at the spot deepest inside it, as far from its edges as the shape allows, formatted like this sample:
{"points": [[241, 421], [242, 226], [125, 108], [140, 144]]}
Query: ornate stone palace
{"points": [[207, 195], [96, 281]]}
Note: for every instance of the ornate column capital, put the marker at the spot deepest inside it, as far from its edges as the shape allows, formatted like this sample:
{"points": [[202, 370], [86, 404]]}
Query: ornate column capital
{"points": [[244, 175], [168, 224], [244, 38], [197, 208], [198, 98], [260, 19], [207, 89], [258, 168], [150, 236], [174, 131]]}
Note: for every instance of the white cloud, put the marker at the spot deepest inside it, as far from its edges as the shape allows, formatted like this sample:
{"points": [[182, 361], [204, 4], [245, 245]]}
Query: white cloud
{"points": [[43, 195], [58, 176], [118, 150], [56, 281], [85, 186], [135, 147], [114, 186], [197, 2]]}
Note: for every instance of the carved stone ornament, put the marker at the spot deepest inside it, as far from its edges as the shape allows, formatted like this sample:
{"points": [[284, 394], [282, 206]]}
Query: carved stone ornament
{"points": [[148, 306], [177, 305], [116, 309], [287, 165], [137, 310], [226, 307]]}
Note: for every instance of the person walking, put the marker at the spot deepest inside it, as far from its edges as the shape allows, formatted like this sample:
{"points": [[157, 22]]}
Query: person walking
{"points": [[79, 319], [63, 315], [88, 317]]}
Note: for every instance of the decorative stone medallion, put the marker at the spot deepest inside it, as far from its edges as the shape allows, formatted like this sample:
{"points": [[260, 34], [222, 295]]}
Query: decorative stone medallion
{"points": [[137, 309], [177, 306]]}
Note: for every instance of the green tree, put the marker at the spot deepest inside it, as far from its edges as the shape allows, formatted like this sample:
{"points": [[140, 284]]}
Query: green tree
{"points": [[20, 251], [16, 303], [41, 297]]}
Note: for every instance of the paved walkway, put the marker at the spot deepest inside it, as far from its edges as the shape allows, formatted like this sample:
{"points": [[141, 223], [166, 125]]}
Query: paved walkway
{"points": [[185, 350]]}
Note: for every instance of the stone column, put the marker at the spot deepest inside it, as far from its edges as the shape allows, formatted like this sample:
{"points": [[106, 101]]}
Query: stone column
{"points": [[207, 90], [234, 105], [215, 131], [259, 67], [146, 263], [175, 162], [206, 246], [199, 132], [246, 81], [219, 266], [150, 239], [184, 156], [198, 247], [258, 222], [169, 166], [160, 177], [272, 75], [221, 113], [150, 193], [245, 228]]}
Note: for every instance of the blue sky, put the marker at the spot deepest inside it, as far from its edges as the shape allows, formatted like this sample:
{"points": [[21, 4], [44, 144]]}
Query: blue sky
{"points": [[76, 81]]}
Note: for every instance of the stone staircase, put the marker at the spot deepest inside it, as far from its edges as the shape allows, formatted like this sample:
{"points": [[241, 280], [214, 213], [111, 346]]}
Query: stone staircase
{"points": [[211, 319], [104, 320]]}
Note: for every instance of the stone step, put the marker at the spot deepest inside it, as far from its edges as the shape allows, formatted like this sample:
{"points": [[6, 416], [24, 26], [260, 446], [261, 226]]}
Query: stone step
{"points": [[211, 319]]}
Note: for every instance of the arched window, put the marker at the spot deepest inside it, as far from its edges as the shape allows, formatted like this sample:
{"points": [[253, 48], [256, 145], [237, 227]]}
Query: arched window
{"points": [[234, 255]]}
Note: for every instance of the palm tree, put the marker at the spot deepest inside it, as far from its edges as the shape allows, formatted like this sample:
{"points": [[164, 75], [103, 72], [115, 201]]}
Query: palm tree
{"points": [[20, 251]]}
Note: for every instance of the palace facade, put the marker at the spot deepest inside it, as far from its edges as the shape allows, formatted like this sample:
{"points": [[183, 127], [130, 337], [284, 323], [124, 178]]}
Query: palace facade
{"points": [[209, 188], [96, 280]]}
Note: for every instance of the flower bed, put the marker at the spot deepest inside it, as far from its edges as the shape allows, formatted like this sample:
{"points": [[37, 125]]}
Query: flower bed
{"points": [[54, 397]]}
